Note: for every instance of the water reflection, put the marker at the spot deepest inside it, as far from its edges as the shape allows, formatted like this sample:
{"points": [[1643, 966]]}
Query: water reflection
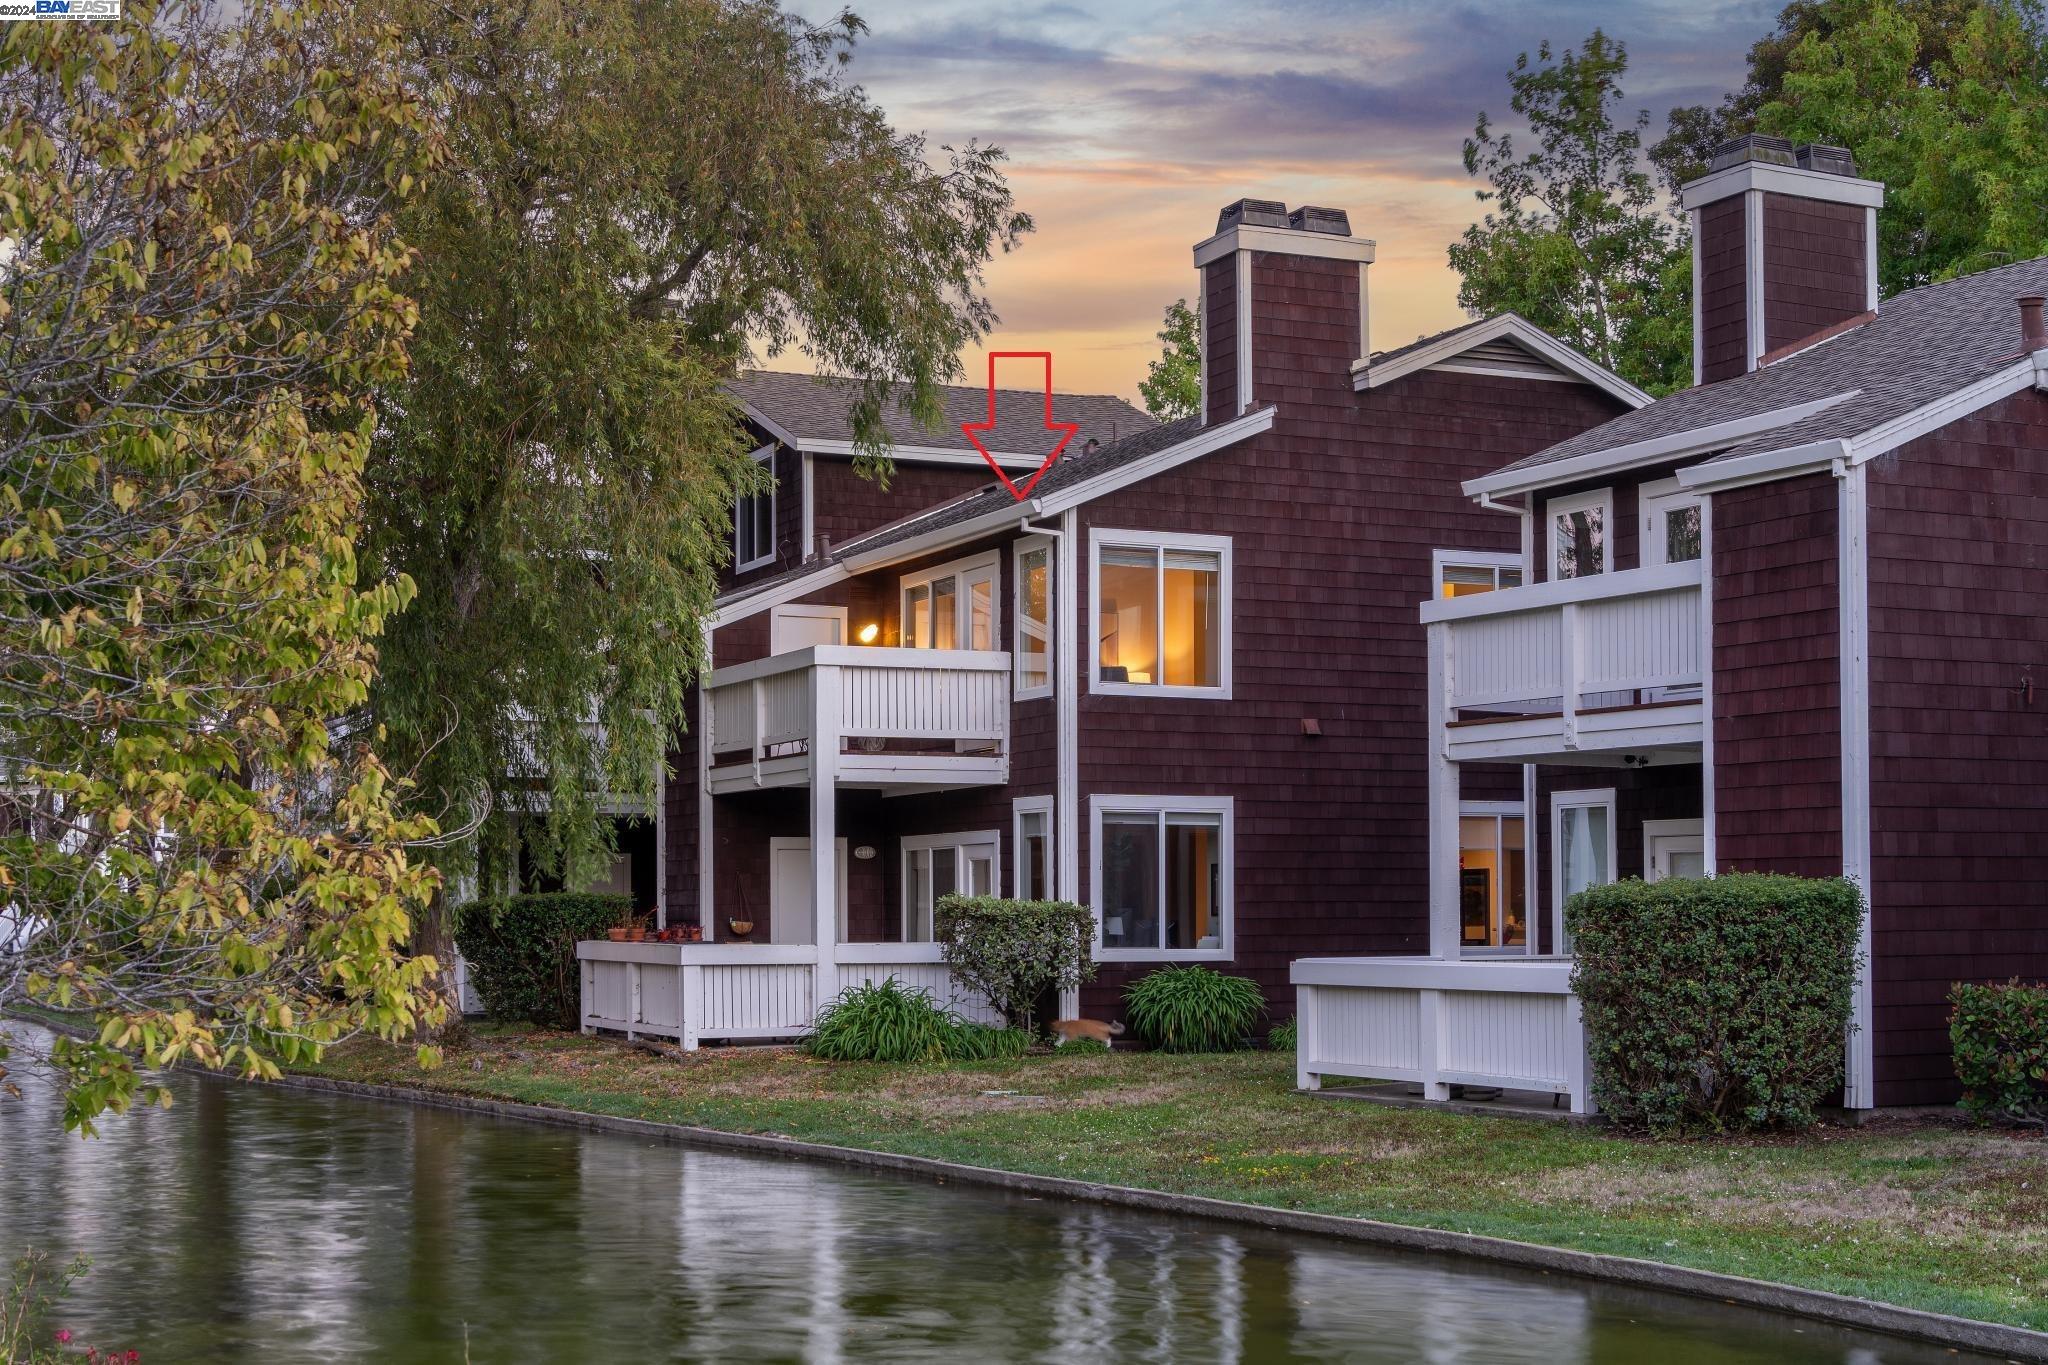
{"points": [[250, 1224]]}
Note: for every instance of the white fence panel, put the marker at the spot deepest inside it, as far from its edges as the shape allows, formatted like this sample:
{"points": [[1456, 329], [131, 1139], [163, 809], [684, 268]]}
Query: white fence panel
{"points": [[1495, 659], [906, 702], [932, 978], [758, 1000], [1653, 640], [1493, 1038]]}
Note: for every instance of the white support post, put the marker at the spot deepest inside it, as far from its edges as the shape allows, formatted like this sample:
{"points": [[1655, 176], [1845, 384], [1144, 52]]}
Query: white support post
{"points": [[1853, 573], [1578, 1061], [690, 1006], [1574, 670], [825, 683], [760, 725], [589, 973], [632, 999], [1429, 1011], [1067, 666], [706, 919], [1443, 802], [1305, 1006]]}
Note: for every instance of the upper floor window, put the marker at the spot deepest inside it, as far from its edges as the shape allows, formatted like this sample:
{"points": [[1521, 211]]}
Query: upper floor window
{"points": [[952, 606], [753, 521], [1461, 573], [1033, 616], [1162, 613], [1674, 522], [1579, 528]]}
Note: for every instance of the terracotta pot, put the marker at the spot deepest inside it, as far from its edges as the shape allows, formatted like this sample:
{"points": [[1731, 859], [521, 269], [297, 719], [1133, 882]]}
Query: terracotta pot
{"points": [[636, 936], [616, 935]]}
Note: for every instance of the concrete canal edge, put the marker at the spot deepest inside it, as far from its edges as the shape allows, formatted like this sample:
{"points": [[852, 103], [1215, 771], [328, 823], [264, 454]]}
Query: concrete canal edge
{"points": [[1942, 1329]]}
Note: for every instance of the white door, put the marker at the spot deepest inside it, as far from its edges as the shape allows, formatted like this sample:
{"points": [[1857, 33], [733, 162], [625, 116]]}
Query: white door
{"points": [[1673, 848], [791, 916], [799, 627]]}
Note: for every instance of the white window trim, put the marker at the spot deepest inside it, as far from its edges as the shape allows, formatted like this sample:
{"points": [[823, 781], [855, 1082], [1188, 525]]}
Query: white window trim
{"points": [[1098, 537], [1603, 499], [1586, 798], [1497, 811], [1030, 545], [1657, 498], [1019, 808], [1653, 830], [962, 623], [1440, 560], [911, 843], [1224, 808], [765, 455], [803, 611]]}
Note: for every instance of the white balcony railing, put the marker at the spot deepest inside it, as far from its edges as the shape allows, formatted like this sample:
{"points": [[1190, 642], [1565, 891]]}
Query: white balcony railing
{"points": [[895, 714]]}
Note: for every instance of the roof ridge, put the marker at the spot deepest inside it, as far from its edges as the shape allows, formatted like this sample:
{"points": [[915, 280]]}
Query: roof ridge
{"points": [[968, 388]]}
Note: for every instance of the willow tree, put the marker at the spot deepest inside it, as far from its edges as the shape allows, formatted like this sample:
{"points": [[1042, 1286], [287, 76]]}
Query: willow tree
{"points": [[636, 195], [200, 291]]}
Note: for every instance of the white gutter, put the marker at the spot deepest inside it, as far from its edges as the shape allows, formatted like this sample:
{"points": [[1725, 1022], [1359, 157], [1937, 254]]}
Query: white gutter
{"points": [[1810, 458]]}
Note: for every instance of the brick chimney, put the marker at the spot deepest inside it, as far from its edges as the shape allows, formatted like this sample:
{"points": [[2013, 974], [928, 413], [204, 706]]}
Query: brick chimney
{"points": [[1784, 245], [1283, 303]]}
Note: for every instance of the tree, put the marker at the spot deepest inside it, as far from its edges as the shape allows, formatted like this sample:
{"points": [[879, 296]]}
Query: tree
{"points": [[1172, 385], [1577, 239], [201, 293], [635, 194]]}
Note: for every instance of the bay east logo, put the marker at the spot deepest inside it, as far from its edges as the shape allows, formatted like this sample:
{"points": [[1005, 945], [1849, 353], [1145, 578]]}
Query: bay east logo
{"points": [[60, 9]]}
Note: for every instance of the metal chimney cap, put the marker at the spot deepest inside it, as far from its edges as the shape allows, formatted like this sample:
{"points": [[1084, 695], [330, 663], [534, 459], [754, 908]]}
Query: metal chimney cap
{"points": [[1776, 151], [1820, 156], [1252, 213], [1314, 218]]}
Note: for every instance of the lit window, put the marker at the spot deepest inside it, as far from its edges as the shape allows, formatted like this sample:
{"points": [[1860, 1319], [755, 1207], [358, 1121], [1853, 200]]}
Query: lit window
{"points": [[1493, 894], [1578, 534], [1162, 613], [1034, 848], [952, 606], [1162, 875], [1462, 573], [753, 522], [938, 865], [1034, 619]]}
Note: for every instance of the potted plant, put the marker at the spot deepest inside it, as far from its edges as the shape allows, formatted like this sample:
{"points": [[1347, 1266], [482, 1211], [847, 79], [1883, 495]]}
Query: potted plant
{"points": [[620, 932]]}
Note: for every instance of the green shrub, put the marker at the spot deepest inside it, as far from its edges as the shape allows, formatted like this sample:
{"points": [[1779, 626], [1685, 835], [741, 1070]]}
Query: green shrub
{"points": [[2000, 1036], [970, 1042], [521, 952], [1192, 1009], [1015, 951], [887, 1021], [1285, 1037], [1715, 1003]]}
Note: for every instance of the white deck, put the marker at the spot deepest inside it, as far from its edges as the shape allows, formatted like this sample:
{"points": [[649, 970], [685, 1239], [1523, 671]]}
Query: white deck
{"points": [[742, 991], [1509, 1022]]}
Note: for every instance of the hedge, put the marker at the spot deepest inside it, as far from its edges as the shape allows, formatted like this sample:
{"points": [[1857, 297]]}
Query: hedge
{"points": [[1014, 951], [2000, 1036], [1715, 1003], [521, 951]]}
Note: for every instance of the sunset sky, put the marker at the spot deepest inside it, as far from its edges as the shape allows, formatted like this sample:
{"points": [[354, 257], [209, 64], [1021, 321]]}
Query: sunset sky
{"points": [[1128, 125]]}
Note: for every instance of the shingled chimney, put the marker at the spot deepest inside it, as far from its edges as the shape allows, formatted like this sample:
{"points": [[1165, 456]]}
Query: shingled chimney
{"points": [[1784, 245], [1283, 302]]}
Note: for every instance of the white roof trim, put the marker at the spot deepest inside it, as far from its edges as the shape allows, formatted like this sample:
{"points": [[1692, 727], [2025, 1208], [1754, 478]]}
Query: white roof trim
{"points": [[1775, 179], [1509, 326], [1288, 241], [763, 421], [1677, 445], [924, 454], [1717, 475], [1206, 439]]}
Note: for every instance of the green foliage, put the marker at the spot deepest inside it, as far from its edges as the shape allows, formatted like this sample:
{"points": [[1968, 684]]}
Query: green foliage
{"points": [[1285, 1037], [1082, 1046], [887, 1021], [1193, 1009], [1715, 1003], [1014, 951], [521, 952], [1172, 386], [2000, 1036], [35, 1290], [635, 196], [1576, 239], [201, 296]]}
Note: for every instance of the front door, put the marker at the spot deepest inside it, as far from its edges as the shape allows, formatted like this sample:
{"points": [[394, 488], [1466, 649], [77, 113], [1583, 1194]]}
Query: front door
{"points": [[1673, 848], [791, 918]]}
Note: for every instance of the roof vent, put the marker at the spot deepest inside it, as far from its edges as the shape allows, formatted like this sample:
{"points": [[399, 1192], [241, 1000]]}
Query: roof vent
{"points": [[1310, 218], [1252, 213], [1777, 151], [1818, 156], [2033, 332]]}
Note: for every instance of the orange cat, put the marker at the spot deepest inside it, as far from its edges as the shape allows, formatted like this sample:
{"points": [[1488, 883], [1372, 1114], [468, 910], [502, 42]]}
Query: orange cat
{"points": [[1067, 1030]]}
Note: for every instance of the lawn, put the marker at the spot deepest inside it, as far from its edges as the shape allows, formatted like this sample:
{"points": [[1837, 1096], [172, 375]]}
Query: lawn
{"points": [[1928, 1214]]}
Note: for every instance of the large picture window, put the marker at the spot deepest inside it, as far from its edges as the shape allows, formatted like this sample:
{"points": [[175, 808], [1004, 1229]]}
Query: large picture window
{"points": [[1580, 528], [936, 865], [1162, 882], [1162, 613], [753, 521], [1493, 886], [1033, 614], [952, 606]]}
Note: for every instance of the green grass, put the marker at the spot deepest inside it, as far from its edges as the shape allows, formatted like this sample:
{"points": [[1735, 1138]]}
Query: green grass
{"points": [[1930, 1215]]}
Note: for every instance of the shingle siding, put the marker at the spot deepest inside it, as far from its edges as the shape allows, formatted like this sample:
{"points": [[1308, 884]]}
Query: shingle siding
{"points": [[1814, 271], [1724, 290]]}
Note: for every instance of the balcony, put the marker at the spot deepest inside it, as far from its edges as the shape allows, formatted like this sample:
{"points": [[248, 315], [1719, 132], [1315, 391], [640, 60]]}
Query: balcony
{"points": [[888, 719], [1557, 672]]}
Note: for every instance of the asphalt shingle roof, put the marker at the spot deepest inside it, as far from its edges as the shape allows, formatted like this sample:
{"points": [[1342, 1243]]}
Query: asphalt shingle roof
{"points": [[1385, 357], [1923, 345], [813, 408]]}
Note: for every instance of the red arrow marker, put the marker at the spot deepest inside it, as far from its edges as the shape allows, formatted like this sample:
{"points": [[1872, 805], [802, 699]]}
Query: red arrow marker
{"points": [[1066, 430]]}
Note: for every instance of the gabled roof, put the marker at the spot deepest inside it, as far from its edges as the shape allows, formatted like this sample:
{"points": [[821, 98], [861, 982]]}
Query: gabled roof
{"points": [[1856, 388], [809, 412], [1072, 480], [1506, 343]]}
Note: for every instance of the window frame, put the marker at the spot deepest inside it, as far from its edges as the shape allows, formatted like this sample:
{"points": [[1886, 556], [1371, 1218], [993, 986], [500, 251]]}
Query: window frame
{"points": [[1496, 560], [1553, 508], [1019, 808], [1101, 538], [1028, 545], [1656, 498], [963, 619], [740, 564], [959, 841], [1224, 809], [1498, 811], [1582, 798]]}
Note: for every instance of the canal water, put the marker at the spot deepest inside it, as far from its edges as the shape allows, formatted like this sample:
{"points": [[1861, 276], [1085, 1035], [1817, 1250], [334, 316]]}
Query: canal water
{"points": [[251, 1224]]}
